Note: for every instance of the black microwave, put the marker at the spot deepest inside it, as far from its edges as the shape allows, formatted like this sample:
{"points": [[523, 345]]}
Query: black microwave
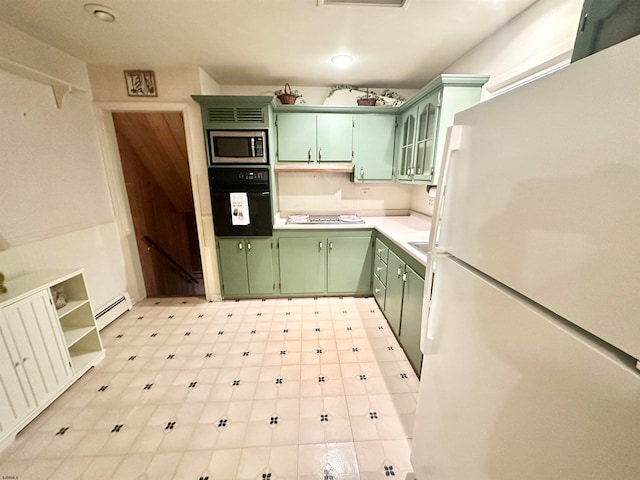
{"points": [[238, 146]]}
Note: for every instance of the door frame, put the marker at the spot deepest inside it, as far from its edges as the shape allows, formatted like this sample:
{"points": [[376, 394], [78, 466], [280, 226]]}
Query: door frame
{"points": [[199, 183]]}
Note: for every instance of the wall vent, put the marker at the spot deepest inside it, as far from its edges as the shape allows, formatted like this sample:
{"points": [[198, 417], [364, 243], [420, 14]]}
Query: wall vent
{"points": [[249, 114], [235, 114], [221, 114]]}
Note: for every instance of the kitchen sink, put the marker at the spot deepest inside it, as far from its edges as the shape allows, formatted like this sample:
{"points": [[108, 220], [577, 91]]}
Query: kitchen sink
{"points": [[422, 247]]}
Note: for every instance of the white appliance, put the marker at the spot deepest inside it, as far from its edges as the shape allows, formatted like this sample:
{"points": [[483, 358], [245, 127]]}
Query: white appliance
{"points": [[532, 332]]}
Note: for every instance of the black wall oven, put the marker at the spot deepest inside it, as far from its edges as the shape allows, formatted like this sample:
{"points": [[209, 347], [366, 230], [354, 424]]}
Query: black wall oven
{"points": [[241, 201]]}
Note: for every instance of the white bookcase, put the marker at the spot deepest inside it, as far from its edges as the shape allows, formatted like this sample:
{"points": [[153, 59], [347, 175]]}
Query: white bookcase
{"points": [[43, 350]]}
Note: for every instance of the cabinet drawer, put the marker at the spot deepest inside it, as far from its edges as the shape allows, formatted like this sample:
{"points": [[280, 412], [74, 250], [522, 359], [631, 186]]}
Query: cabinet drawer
{"points": [[382, 250], [379, 292], [380, 270]]}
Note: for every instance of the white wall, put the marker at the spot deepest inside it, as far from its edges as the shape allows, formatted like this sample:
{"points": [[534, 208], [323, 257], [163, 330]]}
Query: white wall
{"points": [[175, 85], [544, 32], [55, 211], [311, 95]]}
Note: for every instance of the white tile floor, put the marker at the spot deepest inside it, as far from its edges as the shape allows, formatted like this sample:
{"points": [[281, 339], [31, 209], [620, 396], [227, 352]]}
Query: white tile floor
{"points": [[253, 389]]}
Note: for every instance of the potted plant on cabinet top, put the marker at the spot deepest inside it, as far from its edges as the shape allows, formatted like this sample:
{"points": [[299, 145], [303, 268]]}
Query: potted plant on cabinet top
{"points": [[288, 97]]}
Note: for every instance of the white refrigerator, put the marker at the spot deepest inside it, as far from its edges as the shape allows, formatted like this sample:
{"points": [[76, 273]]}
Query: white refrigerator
{"points": [[531, 331]]}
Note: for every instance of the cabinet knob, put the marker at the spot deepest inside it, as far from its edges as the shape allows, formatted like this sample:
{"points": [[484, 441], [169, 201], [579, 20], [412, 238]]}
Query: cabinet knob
{"points": [[399, 272], [239, 245], [309, 156], [248, 245], [17, 364], [378, 269], [320, 154], [404, 277], [377, 290], [362, 173], [330, 245], [320, 245]]}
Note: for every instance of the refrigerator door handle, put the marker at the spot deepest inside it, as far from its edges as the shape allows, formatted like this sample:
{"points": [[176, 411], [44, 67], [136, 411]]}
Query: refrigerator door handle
{"points": [[452, 143]]}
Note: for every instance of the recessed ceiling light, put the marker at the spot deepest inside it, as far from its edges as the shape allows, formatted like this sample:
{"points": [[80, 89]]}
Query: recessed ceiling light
{"points": [[101, 12], [341, 60]]}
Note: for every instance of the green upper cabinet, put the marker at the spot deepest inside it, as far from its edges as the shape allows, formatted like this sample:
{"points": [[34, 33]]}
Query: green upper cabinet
{"points": [[246, 266], [296, 133], [349, 264], [314, 137], [374, 142], [335, 137], [423, 123], [234, 112], [418, 140]]}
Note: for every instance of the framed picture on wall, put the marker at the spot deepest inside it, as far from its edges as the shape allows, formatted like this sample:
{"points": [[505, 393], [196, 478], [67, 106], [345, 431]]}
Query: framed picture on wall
{"points": [[141, 83]]}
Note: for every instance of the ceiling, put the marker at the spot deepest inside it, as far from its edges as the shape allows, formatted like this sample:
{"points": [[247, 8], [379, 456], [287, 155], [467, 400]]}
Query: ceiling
{"points": [[269, 42]]}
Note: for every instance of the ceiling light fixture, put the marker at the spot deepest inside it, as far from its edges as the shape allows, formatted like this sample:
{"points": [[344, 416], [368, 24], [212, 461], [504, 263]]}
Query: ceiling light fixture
{"points": [[341, 60], [101, 12]]}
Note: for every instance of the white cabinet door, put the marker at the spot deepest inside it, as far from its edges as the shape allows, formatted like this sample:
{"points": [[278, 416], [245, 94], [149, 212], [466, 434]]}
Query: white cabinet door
{"points": [[14, 402], [32, 326], [508, 392]]}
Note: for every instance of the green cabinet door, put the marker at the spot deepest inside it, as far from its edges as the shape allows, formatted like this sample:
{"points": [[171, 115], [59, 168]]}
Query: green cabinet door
{"points": [[335, 137], [395, 284], [374, 143], [302, 265], [349, 265], [233, 266], [296, 133], [406, 140], [410, 328], [425, 147], [259, 266]]}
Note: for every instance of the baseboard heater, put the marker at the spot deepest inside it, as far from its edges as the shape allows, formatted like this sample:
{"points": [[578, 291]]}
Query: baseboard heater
{"points": [[112, 310]]}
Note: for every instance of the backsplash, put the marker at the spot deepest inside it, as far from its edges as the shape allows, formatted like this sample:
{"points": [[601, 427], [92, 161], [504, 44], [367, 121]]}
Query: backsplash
{"points": [[421, 200], [323, 193]]}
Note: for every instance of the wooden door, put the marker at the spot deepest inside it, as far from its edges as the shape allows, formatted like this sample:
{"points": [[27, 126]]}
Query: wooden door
{"points": [[155, 165]]}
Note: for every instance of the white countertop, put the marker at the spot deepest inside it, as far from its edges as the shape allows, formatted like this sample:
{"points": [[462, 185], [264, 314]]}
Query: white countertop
{"points": [[402, 229]]}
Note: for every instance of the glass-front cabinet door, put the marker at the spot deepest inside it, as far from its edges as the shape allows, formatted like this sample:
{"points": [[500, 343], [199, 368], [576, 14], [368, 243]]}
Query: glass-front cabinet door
{"points": [[425, 139], [407, 136]]}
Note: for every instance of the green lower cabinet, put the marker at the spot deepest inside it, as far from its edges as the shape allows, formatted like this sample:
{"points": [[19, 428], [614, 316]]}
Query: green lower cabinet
{"points": [[395, 286], [246, 266], [400, 298], [379, 292], [410, 328], [349, 265], [302, 265], [260, 266]]}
